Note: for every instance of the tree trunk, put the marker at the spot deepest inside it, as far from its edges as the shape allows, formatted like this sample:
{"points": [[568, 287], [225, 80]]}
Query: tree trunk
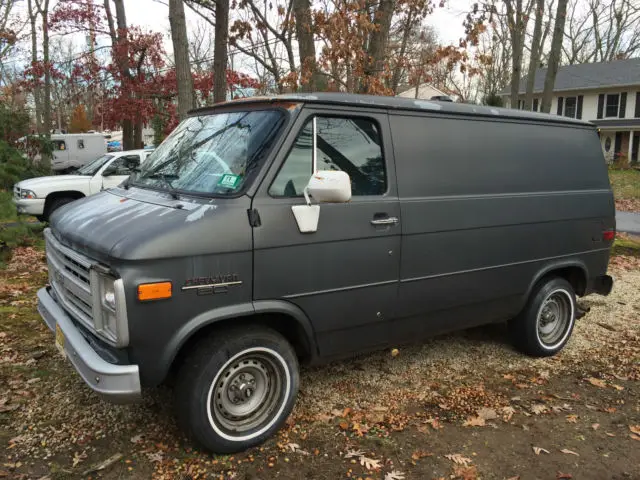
{"points": [[37, 94], [397, 72], [377, 44], [128, 141], [186, 97], [220, 51], [137, 133], [517, 33], [534, 60], [554, 55], [46, 110], [306, 45]]}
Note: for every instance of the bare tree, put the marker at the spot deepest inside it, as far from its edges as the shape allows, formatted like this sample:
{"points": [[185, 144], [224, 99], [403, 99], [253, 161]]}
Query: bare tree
{"points": [[534, 57], [377, 42], [220, 51], [37, 93], [306, 44], [186, 97], [518, 17], [554, 55]]}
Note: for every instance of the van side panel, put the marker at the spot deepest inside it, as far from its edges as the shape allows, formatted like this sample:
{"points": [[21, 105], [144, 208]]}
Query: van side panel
{"points": [[486, 206]]}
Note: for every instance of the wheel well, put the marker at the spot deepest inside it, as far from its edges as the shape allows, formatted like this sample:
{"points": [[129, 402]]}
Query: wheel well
{"points": [[64, 194], [576, 276], [285, 325]]}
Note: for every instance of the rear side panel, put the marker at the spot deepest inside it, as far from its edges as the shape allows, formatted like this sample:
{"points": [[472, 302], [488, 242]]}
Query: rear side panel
{"points": [[486, 207]]}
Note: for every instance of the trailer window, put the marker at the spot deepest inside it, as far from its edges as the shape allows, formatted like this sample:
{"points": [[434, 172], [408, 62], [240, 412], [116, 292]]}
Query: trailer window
{"points": [[80, 144], [59, 145]]}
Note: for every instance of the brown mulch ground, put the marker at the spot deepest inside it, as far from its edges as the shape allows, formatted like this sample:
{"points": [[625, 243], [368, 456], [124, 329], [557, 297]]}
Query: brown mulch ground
{"points": [[463, 406]]}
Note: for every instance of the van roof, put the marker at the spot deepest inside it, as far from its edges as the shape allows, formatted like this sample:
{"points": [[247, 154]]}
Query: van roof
{"points": [[399, 103]]}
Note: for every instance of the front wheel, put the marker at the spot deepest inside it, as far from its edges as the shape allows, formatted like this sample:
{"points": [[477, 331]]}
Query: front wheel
{"points": [[544, 326], [236, 388]]}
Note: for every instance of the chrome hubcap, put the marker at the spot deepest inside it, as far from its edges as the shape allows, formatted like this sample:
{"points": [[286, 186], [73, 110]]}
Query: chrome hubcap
{"points": [[554, 318]]}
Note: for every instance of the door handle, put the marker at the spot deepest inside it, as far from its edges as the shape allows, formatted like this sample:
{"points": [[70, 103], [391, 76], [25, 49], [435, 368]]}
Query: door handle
{"points": [[385, 221]]}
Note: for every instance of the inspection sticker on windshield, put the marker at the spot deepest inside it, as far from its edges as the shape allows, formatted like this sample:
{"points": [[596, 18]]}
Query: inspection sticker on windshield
{"points": [[229, 181]]}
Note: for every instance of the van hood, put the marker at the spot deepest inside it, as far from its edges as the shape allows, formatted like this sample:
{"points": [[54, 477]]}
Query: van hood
{"points": [[138, 224], [44, 185]]}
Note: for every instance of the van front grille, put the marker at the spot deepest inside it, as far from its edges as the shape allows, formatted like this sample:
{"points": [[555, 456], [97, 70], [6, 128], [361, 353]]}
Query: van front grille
{"points": [[70, 277]]}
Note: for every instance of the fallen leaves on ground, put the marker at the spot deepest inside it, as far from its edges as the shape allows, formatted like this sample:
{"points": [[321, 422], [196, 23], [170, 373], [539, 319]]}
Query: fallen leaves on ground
{"points": [[596, 382], [474, 422], [572, 418], [569, 452], [539, 450], [458, 459], [394, 475]]}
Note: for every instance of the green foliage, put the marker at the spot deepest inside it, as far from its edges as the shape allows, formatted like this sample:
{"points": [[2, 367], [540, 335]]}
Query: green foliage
{"points": [[13, 123], [21, 156], [493, 100], [7, 208]]}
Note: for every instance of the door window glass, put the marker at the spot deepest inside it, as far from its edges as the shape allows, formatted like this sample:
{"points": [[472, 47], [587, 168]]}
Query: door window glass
{"points": [[353, 145], [125, 165]]}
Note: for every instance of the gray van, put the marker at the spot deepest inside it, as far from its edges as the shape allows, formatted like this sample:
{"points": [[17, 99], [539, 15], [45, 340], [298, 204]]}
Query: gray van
{"points": [[271, 232]]}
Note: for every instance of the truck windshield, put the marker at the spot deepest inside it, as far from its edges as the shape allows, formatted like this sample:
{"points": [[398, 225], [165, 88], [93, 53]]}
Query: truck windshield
{"points": [[92, 168], [211, 154]]}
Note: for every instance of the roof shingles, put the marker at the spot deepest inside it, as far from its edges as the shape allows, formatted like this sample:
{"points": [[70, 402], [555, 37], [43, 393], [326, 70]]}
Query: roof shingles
{"points": [[586, 76]]}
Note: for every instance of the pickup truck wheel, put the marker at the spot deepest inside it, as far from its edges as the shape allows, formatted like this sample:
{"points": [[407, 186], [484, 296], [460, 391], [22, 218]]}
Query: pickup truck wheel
{"points": [[236, 388], [55, 204], [544, 326]]}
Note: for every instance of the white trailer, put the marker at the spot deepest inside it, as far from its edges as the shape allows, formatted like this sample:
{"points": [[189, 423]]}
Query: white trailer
{"points": [[73, 150]]}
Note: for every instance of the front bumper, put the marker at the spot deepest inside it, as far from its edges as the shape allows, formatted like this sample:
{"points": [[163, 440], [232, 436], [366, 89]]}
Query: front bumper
{"points": [[115, 383], [29, 206]]}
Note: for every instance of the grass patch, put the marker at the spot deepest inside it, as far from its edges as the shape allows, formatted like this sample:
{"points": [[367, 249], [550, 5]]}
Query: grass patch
{"points": [[626, 245], [625, 183]]}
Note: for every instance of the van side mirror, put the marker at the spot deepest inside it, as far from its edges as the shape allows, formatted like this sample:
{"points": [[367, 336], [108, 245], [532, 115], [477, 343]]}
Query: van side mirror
{"points": [[325, 186]]}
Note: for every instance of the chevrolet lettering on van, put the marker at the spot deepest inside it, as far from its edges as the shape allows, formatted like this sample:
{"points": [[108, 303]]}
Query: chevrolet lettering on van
{"points": [[231, 279], [302, 235]]}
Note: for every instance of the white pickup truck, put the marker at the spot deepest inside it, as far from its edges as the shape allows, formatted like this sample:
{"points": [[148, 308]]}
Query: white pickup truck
{"points": [[42, 196]]}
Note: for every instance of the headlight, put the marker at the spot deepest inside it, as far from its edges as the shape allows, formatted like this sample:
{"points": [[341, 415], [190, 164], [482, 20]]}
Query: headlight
{"points": [[27, 194], [110, 316]]}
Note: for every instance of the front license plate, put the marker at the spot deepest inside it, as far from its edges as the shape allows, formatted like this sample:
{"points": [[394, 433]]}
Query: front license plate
{"points": [[60, 340]]}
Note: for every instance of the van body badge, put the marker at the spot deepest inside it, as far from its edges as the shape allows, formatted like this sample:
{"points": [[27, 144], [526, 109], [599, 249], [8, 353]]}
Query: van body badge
{"points": [[212, 283]]}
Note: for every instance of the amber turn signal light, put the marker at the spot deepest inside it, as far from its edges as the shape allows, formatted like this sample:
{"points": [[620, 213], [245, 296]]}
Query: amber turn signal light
{"points": [[154, 291]]}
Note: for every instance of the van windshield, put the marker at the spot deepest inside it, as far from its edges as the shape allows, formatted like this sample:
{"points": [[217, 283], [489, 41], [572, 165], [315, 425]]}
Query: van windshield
{"points": [[92, 168], [211, 154]]}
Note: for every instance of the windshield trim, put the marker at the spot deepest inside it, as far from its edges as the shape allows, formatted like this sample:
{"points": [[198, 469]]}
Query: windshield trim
{"points": [[284, 120]]}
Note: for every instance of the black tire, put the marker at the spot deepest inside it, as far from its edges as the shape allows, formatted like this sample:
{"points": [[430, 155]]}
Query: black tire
{"points": [[544, 326], [214, 367], [55, 204]]}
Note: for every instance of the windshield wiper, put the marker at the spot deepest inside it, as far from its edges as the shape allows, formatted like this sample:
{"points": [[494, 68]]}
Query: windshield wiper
{"points": [[165, 179]]}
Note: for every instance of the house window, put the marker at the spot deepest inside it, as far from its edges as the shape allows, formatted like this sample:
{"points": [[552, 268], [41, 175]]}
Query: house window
{"points": [[570, 107], [535, 104], [612, 105]]}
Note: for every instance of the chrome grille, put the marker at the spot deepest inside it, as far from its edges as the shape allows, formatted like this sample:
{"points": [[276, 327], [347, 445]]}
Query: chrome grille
{"points": [[70, 277]]}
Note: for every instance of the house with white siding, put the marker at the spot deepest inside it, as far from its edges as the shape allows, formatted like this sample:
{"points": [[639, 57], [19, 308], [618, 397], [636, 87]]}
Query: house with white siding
{"points": [[606, 94]]}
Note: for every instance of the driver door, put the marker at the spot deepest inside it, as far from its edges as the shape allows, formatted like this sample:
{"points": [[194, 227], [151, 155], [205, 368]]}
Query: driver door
{"points": [[345, 275]]}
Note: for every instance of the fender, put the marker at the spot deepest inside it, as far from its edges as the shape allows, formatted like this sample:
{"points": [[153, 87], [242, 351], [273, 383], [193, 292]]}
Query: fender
{"points": [[219, 314], [556, 265]]}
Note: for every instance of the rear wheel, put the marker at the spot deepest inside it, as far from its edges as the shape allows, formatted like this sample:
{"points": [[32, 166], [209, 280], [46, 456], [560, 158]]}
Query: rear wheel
{"points": [[237, 388], [544, 326]]}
